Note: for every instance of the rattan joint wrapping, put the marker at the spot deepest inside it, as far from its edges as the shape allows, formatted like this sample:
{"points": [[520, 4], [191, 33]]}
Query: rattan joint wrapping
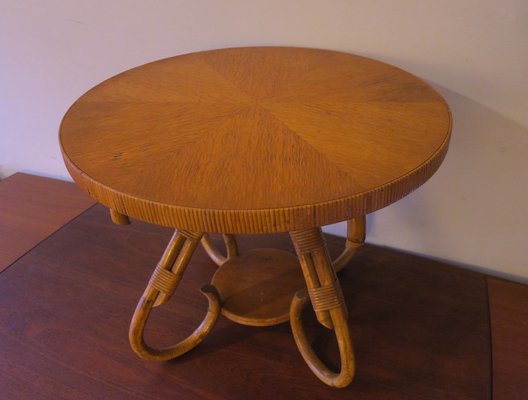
{"points": [[164, 281], [326, 297]]}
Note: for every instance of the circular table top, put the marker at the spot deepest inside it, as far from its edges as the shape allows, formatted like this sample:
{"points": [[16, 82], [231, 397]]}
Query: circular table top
{"points": [[249, 140]]}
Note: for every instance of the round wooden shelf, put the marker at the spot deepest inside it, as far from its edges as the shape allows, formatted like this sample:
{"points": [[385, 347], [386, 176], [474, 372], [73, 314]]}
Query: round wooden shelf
{"points": [[255, 140], [256, 287]]}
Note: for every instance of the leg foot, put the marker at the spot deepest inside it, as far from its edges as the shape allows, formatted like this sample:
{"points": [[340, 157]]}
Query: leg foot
{"points": [[327, 300], [160, 288]]}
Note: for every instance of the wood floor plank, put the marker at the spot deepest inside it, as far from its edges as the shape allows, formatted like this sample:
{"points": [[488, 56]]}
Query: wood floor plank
{"points": [[31, 209], [509, 333], [420, 328]]}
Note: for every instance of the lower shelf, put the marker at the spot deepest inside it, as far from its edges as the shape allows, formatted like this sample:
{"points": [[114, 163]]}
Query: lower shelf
{"points": [[256, 288]]}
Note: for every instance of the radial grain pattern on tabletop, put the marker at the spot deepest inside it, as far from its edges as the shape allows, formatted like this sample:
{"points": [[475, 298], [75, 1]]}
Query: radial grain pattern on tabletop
{"points": [[249, 140]]}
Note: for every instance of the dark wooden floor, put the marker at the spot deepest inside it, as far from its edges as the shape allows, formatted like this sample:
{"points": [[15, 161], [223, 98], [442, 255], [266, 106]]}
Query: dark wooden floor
{"points": [[421, 328], [31, 209], [509, 322]]}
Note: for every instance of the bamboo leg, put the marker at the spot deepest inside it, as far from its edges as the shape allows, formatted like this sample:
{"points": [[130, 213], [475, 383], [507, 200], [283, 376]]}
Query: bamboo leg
{"points": [[118, 218], [231, 247], [160, 288], [324, 291], [356, 229]]}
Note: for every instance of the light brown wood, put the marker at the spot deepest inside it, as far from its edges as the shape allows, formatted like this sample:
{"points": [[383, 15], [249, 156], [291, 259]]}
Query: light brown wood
{"points": [[356, 232], [327, 300], [230, 246], [118, 218], [256, 288], [163, 282], [255, 140]]}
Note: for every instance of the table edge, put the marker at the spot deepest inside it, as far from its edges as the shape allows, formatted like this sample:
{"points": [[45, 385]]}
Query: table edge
{"points": [[272, 220]]}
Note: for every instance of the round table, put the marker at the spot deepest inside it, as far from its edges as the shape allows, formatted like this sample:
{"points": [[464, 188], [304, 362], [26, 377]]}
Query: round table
{"points": [[256, 140]]}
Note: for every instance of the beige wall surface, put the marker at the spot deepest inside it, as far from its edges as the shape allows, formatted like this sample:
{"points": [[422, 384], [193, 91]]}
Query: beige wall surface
{"points": [[475, 52]]}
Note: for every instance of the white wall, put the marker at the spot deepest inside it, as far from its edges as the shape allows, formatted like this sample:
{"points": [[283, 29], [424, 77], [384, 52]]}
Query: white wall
{"points": [[475, 52]]}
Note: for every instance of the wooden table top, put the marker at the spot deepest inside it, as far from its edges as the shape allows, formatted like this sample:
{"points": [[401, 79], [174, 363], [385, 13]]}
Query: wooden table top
{"points": [[250, 140]]}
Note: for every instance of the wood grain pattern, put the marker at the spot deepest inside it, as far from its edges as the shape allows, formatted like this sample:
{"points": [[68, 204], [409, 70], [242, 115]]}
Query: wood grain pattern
{"points": [[255, 139], [31, 209], [419, 327], [509, 333]]}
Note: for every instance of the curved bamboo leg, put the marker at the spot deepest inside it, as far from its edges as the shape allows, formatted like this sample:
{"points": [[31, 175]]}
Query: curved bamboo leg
{"points": [[356, 228], [219, 259], [327, 300], [160, 288]]}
